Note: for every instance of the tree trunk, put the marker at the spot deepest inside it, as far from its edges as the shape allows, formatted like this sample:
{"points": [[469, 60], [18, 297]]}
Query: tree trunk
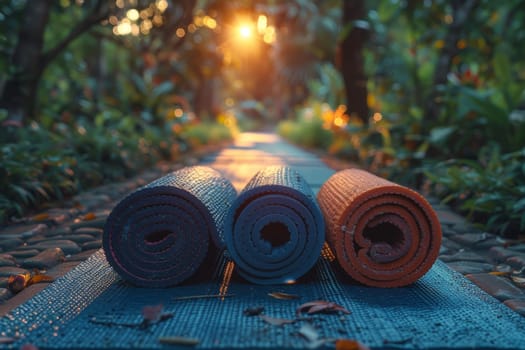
{"points": [[461, 13], [352, 62], [19, 93]]}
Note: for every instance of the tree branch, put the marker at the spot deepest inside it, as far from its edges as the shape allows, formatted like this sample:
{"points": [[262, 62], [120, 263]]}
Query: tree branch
{"points": [[95, 17]]}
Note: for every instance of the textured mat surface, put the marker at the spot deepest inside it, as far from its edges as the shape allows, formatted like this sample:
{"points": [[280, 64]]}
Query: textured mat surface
{"points": [[274, 230], [383, 234], [441, 310], [159, 235]]}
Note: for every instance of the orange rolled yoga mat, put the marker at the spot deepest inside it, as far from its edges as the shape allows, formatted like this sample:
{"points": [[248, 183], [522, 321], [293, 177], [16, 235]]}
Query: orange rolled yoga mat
{"points": [[383, 234]]}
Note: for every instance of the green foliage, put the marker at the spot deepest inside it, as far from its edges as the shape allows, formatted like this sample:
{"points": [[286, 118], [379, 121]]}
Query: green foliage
{"points": [[490, 190], [206, 133], [308, 129], [48, 165]]}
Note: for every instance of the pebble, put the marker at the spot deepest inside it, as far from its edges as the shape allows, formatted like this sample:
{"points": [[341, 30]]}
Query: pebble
{"points": [[23, 253], [61, 231], [470, 267], [499, 287], [22, 231], [471, 239], [82, 256], [445, 242], [96, 223], [7, 260], [36, 239], [447, 217], [463, 256], [7, 271], [517, 262], [79, 238], [5, 294], [517, 248], [45, 260], [67, 246], [500, 254], [92, 245], [517, 305], [93, 231], [60, 215], [10, 243]]}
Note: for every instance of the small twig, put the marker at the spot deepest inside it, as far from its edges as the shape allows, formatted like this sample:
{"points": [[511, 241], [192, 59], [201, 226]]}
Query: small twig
{"points": [[113, 323], [203, 296], [140, 325]]}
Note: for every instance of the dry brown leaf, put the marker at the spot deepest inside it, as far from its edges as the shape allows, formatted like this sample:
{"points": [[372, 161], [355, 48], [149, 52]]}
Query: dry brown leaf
{"points": [[350, 344], [275, 321], [16, 283], [283, 296], [89, 216], [152, 313], [40, 217], [320, 306], [499, 273], [179, 341], [7, 340], [38, 277]]}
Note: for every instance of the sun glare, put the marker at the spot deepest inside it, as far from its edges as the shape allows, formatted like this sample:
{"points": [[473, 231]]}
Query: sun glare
{"points": [[245, 31]]}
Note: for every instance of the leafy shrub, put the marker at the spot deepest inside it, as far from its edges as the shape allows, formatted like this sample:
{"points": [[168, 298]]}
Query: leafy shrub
{"points": [[491, 190], [206, 133], [307, 130]]}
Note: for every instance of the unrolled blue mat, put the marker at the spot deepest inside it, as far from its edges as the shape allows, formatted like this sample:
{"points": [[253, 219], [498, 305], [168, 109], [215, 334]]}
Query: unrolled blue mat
{"points": [[274, 230], [83, 310], [159, 235]]}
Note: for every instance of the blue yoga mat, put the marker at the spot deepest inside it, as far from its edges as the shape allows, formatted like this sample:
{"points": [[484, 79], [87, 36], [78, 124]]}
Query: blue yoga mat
{"points": [[159, 235], [274, 231]]}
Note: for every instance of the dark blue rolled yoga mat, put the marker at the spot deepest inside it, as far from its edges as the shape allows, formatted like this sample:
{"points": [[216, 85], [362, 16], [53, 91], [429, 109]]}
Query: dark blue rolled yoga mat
{"points": [[274, 231], [158, 235]]}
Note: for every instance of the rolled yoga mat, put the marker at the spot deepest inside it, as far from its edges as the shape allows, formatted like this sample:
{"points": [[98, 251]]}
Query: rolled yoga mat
{"points": [[274, 231], [383, 234], [158, 235]]}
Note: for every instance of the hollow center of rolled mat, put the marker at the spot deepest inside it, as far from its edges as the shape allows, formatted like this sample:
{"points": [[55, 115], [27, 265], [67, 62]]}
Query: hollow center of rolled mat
{"points": [[276, 234], [157, 236], [387, 242]]}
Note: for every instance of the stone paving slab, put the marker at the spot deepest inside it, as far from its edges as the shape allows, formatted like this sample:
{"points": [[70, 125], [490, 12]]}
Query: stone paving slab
{"points": [[462, 241]]}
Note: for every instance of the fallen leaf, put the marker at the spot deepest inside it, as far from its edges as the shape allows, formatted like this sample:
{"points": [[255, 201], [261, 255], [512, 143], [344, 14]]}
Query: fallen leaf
{"points": [[320, 306], [7, 340], [152, 313], [38, 277], [16, 283], [499, 273], [179, 341], [40, 217], [350, 344], [253, 311], [308, 332], [28, 347], [283, 296], [89, 216], [275, 321]]}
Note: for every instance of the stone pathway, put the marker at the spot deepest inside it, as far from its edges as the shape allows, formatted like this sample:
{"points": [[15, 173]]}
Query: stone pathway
{"points": [[57, 239]]}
